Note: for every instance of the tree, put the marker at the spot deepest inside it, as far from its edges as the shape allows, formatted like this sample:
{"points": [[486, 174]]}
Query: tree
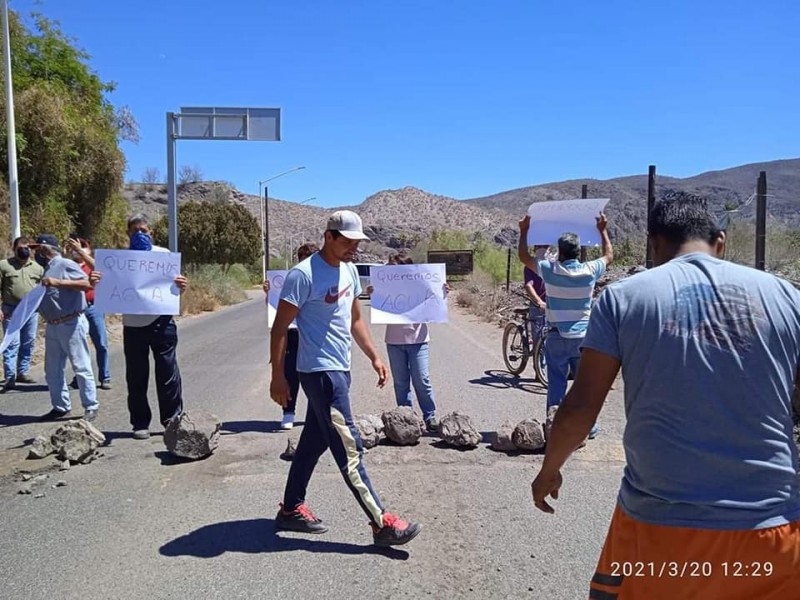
{"points": [[150, 177], [69, 162], [187, 174], [211, 233]]}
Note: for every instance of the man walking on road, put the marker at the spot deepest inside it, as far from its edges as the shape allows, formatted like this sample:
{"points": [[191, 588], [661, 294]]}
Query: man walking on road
{"points": [[569, 285], [321, 295], [709, 505], [18, 276], [62, 307]]}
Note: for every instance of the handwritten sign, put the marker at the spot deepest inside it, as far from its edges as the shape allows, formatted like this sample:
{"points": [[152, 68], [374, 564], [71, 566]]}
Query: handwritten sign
{"points": [[549, 220], [136, 282], [22, 313], [276, 279], [408, 294]]}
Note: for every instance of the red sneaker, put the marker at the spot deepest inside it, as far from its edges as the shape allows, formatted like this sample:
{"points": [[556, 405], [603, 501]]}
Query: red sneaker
{"points": [[300, 519], [395, 531]]}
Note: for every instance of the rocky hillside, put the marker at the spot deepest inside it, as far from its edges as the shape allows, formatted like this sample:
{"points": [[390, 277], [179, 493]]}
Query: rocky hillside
{"points": [[397, 218]]}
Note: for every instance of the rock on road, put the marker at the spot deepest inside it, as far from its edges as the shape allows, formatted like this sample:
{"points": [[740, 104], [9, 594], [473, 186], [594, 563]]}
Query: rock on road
{"points": [[138, 524]]}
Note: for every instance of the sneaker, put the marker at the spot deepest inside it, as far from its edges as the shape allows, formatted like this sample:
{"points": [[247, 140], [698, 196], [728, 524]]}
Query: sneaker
{"points": [[141, 434], [55, 415], [593, 432], [90, 415], [9, 385], [395, 531], [432, 425], [105, 385], [25, 378], [300, 519], [288, 421], [74, 383]]}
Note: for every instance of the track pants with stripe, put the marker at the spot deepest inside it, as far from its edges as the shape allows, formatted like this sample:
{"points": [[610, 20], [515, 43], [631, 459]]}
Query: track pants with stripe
{"points": [[329, 425]]}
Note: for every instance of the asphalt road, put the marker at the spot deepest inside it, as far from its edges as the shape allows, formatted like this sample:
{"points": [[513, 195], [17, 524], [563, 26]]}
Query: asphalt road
{"points": [[138, 524]]}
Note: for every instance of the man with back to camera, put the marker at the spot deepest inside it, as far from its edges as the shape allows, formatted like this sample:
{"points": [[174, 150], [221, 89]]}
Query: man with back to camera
{"points": [[569, 284], [321, 295], [709, 505]]}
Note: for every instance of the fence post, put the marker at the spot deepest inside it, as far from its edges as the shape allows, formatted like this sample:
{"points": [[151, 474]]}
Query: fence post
{"points": [[761, 221], [508, 271], [651, 200], [584, 194]]}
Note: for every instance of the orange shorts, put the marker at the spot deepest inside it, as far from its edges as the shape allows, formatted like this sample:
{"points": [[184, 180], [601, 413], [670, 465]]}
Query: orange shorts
{"points": [[653, 562]]}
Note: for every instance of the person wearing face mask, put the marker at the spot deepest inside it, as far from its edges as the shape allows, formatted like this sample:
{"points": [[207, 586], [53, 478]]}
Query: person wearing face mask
{"points": [[18, 276], [142, 334], [79, 250], [62, 307]]}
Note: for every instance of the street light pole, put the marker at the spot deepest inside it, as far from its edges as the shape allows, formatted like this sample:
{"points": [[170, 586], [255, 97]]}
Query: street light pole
{"points": [[289, 239], [265, 216], [13, 180]]}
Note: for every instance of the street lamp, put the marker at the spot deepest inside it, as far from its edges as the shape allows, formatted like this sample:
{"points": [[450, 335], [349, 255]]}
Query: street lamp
{"points": [[264, 200], [289, 240]]}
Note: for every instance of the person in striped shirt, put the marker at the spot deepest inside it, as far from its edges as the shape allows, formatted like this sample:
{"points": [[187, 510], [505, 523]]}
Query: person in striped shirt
{"points": [[569, 284]]}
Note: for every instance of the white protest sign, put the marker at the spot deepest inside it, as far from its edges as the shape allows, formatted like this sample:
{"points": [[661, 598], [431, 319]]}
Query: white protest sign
{"points": [[22, 313], [408, 294], [276, 279], [549, 220], [137, 282]]}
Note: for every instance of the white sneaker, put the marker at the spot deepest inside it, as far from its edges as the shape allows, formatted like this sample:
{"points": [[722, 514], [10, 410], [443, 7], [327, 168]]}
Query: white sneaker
{"points": [[288, 421]]}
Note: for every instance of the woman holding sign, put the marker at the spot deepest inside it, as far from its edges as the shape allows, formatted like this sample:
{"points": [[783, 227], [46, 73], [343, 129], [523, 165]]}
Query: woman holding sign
{"points": [[407, 348], [292, 342]]}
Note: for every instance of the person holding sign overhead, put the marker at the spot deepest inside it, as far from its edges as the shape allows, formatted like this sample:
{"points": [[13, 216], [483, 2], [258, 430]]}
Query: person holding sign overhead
{"points": [[569, 284], [62, 307], [142, 334], [292, 343]]}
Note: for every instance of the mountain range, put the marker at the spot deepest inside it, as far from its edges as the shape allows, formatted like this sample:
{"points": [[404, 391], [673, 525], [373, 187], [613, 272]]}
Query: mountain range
{"points": [[397, 218]]}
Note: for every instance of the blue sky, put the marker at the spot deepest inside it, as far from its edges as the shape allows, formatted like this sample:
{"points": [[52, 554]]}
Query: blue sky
{"points": [[460, 98]]}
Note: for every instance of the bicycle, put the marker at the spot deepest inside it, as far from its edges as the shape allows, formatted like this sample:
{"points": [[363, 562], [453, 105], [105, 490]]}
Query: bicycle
{"points": [[517, 348]]}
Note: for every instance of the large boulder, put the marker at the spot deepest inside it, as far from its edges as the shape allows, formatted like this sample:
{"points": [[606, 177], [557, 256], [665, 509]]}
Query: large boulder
{"points": [[193, 434], [370, 429], [501, 440], [457, 429], [528, 435], [402, 425], [76, 441]]}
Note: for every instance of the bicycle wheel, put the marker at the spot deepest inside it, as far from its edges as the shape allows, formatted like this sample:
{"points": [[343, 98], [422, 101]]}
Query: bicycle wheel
{"points": [[539, 362], [515, 348]]}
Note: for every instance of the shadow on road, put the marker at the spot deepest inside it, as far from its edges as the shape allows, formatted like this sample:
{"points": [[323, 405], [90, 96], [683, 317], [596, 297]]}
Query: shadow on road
{"points": [[255, 426], [254, 536], [26, 388], [14, 420], [504, 380]]}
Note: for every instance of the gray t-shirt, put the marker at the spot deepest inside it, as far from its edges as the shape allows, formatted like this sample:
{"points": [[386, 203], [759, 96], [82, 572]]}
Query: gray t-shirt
{"points": [[324, 296], [710, 352], [60, 302]]}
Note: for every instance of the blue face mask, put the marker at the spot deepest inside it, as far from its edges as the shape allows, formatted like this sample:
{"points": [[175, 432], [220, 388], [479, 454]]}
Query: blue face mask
{"points": [[140, 241], [42, 260]]}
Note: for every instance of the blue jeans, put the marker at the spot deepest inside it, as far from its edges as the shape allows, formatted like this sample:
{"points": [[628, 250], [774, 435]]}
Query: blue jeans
{"points": [[329, 425], [68, 341], [536, 316], [562, 354], [17, 357], [409, 364], [97, 332]]}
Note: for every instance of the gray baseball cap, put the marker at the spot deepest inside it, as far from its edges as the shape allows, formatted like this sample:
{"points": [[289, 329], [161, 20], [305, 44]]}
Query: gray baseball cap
{"points": [[348, 224]]}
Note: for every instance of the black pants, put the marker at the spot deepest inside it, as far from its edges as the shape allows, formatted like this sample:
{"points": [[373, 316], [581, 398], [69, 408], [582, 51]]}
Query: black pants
{"points": [[290, 369], [161, 336]]}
